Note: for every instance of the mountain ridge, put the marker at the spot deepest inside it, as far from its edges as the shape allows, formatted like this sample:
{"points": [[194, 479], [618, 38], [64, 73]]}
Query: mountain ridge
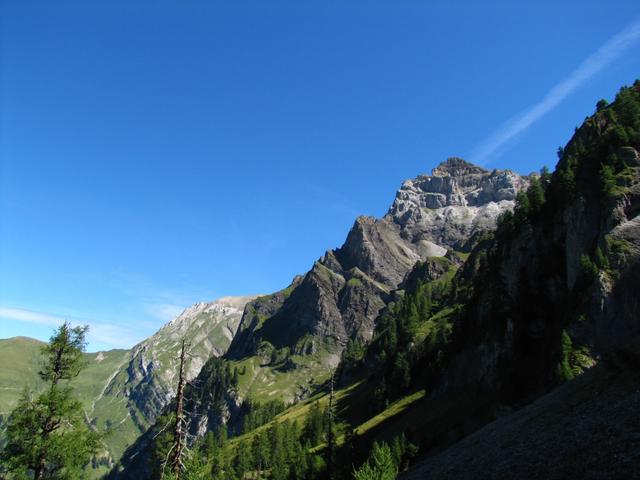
{"points": [[378, 253]]}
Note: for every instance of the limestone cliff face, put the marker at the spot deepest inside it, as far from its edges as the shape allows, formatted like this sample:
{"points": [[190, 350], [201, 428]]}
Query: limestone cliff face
{"points": [[345, 290], [458, 200]]}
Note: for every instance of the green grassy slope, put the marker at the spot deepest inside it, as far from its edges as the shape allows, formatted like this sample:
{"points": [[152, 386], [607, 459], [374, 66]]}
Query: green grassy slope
{"points": [[262, 381], [20, 360]]}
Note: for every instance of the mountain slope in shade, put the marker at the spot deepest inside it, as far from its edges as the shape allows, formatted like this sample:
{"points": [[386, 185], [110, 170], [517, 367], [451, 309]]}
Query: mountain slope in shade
{"points": [[554, 437], [553, 293]]}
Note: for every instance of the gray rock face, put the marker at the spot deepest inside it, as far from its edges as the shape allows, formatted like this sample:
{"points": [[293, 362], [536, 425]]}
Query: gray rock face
{"points": [[148, 381], [458, 200], [342, 295]]}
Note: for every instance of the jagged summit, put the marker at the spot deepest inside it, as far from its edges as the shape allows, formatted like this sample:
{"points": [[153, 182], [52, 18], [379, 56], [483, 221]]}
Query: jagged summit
{"points": [[457, 182], [456, 167], [458, 200]]}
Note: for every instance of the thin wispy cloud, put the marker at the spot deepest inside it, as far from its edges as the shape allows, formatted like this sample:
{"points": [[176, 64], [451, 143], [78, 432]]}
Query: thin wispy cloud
{"points": [[607, 53], [39, 318], [111, 335], [164, 311]]}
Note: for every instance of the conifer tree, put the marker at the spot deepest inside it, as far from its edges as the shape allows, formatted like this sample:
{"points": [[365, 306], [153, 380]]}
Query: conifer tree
{"points": [[47, 436], [379, 466], [314, 425], [535, 193]]}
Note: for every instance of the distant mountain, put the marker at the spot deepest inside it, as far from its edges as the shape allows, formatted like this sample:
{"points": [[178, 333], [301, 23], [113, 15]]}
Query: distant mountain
{"points": [[22, 360], [20, 357], [149, 379]]}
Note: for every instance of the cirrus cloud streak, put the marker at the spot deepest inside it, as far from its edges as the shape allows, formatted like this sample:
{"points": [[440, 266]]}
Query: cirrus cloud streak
{"points": [[607, 53]]}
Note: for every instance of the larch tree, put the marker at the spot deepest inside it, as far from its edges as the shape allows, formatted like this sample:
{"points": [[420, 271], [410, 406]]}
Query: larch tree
{"points": [[47, 436]]}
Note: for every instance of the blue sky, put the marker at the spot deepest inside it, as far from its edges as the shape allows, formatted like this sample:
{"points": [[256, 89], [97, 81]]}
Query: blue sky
{"points": [[155, 154]]}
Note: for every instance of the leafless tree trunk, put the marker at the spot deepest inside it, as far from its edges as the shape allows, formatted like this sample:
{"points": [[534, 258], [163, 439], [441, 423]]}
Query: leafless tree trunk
{"points": [[179, 433], [330, 435]]}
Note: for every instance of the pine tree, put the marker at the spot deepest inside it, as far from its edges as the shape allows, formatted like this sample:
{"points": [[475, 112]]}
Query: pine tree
{"points": [[545, 176], [379, 466], [314, 425], [522, 208], [244, 459], [608, 180], [47, 436], [535, 193], [331, 446], [261, 451]]}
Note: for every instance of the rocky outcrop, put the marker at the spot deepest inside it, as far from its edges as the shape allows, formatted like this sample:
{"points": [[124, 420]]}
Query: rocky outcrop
{"points": [[151, 374], [454, 203]]}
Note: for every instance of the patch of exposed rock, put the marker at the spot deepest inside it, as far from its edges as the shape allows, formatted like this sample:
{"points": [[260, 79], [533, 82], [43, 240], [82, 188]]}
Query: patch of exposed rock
{"points": [[149, 380], [458, 200]]}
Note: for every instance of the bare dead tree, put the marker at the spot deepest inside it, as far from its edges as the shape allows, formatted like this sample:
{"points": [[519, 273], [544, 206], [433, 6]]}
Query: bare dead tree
{"points": [[330, 434], [178, 450]]}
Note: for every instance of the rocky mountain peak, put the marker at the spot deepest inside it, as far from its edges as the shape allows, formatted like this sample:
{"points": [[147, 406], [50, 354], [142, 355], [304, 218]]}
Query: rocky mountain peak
{"points": [[456, 167], [453, 203], [456, 182]]}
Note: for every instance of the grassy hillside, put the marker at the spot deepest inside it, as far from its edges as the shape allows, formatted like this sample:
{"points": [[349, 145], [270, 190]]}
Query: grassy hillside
{"points": [[20, 358], [293, 377]]}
